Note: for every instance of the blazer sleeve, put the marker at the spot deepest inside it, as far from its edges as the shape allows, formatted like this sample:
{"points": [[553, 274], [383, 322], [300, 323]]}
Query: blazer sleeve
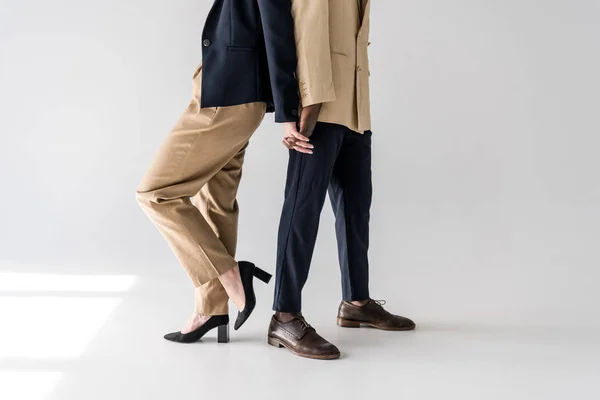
{"points": [[278, 30], [311, 20]]}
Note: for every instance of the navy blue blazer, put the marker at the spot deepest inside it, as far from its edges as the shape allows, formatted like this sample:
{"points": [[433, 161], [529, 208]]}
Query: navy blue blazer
{"points": [[249, 55]]}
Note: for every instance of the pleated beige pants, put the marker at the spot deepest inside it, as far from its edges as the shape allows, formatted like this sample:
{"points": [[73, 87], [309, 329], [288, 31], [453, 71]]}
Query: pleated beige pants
{"points": [[189, 191]]}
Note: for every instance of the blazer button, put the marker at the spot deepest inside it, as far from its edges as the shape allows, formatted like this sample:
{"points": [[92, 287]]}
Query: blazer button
{"points": [[295, 112], [206, 42]]}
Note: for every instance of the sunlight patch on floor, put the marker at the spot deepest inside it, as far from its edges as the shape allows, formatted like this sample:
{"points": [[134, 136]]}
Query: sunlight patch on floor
{"points": [[51, 327], [50, 317], [27, 385]]}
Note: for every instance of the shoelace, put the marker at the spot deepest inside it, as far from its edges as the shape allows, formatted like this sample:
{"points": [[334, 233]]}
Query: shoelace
{"points": [[304, 324], [380, 304]]}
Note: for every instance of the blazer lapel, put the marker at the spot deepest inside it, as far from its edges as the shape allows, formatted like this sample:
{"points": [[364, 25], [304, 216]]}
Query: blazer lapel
{"points": [[366, 10]]}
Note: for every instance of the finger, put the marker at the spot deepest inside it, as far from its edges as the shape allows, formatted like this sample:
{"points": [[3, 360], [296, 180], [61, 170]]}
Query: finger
{"points": [[289, 145], [302, 150], [305, 145], [299, 136], [289, 135], [290, 141]]}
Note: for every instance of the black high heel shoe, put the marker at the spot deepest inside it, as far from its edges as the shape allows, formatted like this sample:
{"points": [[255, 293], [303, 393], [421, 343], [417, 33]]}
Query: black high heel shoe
{"points": [[247, 272], [216, 321]]}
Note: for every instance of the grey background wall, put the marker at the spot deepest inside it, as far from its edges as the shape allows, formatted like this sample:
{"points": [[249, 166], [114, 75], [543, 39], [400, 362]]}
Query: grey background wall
{"points": [[486, 138]]}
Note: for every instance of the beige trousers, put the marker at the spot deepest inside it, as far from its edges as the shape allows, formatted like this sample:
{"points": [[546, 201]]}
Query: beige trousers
{"points": [[190, 191]]}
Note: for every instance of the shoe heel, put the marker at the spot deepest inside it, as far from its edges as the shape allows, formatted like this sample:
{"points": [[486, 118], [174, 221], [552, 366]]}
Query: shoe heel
{"points": [[223, 334], [345, 323], [262, 275], [273, 342]]}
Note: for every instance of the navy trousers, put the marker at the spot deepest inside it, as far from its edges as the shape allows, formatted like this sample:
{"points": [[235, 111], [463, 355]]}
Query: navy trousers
{"points": [[341, 165]]}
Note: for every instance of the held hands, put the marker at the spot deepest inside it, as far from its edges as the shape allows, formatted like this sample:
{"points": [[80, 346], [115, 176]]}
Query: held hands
{"points": [[293, 140], [298, 139]]}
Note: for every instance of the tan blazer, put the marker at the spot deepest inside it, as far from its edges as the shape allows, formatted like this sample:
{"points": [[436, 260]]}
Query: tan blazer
{"points": [[333, 65]]}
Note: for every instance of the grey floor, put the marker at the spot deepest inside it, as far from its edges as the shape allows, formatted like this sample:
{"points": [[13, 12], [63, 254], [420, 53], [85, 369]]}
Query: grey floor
{"points": [[69, 337]]}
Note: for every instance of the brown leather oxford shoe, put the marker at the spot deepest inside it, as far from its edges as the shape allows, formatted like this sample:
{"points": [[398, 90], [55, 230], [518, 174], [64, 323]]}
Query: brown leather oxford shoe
{"points": [[301, 339], [371, 314]]}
